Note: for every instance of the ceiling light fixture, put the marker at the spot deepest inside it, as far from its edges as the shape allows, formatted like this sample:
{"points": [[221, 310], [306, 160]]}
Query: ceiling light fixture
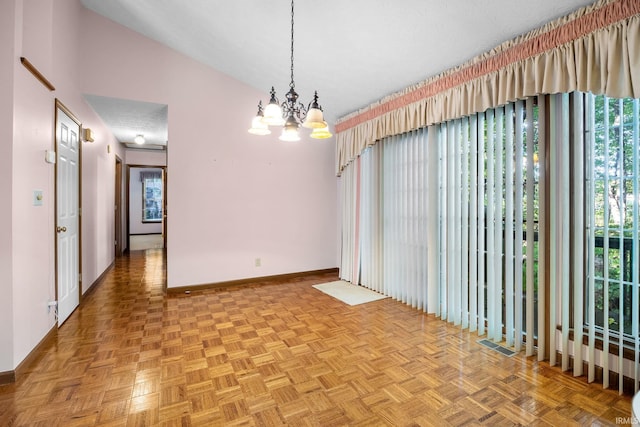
{"points": [[291, 114], [139, 139]]}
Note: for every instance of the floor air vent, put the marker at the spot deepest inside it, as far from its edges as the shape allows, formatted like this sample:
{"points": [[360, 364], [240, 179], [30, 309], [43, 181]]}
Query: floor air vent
{"points": [[497, 347]]}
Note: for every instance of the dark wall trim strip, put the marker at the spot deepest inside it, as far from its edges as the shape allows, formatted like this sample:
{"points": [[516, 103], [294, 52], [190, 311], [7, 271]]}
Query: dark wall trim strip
{"points": [[37, 74], [96, 282], [240, 282], [9, 377]]}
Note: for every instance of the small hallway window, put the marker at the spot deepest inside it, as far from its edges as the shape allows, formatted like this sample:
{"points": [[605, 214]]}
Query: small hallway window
{"points": [[151, 196]]}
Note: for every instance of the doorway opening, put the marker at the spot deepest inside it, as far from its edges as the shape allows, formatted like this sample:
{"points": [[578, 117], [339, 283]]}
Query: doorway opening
{"points": [[146, 207]]}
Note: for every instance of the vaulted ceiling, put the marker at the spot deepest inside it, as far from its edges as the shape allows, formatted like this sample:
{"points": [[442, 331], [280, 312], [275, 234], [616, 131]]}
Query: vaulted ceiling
{"points": [[353, 52]]}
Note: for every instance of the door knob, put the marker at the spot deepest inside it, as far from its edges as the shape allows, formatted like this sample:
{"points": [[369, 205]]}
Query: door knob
{"points": [[61, 229]]}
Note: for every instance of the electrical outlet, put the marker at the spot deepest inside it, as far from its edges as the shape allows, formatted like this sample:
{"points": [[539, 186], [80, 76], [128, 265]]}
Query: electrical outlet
{"points": [[258, 262]]}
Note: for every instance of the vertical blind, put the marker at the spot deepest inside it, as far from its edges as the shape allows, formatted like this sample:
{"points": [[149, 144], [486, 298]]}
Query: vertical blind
{"points": [[489, 222], [371, 237], [453, 220], [445, 219], [594, 272], [350, 259], [606, 304], [404, 212]]}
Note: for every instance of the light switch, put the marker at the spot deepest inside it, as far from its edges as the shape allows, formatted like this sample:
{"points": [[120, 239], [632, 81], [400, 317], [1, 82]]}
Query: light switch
{"points": [[37, 197]]}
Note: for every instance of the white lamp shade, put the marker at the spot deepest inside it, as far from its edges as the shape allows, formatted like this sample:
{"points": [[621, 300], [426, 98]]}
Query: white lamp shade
{"points": [[321, 133], [273, 115], [314, 119], [139, 139], [290, 134], [258, 127]]}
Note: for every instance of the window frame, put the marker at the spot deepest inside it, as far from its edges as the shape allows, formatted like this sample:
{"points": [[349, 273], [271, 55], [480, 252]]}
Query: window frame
{"points": [[158, 201]]}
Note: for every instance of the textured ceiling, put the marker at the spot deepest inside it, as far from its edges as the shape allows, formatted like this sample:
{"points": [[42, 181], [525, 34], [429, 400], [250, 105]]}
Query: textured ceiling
{"points": [[127, 118], [352, 52]]}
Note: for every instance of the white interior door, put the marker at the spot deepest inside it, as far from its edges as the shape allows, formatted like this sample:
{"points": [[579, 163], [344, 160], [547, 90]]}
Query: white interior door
{"points": [[67, 213]]}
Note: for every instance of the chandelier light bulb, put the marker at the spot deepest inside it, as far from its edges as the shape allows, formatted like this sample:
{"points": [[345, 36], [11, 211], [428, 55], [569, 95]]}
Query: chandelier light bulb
{"points": [[321, 133], [258, 126], [290, 135], [273, 111], [290, 130], [315, 118]]}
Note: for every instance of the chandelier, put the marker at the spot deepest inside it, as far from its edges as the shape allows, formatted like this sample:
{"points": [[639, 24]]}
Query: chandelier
{"points": [[291, 114]]}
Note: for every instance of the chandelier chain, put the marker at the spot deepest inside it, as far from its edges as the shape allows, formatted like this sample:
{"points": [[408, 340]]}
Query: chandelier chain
{"points": [[292, 84]]}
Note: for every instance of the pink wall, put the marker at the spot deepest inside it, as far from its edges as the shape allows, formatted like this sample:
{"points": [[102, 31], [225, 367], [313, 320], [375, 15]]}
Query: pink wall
{"points": [[98, 163], [7, 65], [49, 38], [232, 197], [32, 226]]}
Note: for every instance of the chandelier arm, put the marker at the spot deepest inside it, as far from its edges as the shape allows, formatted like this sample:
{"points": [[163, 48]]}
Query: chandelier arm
{"points": [[285, 109], [302, 111], [299, 110]]}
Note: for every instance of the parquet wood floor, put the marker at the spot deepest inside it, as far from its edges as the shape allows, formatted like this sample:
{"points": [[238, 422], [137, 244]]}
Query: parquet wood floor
{"points": [[282, 353]]}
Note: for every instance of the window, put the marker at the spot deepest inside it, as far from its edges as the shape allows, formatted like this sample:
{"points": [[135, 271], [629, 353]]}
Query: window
{"points": [[448, 220], [521, 222], [151, 196], [613, 186]]}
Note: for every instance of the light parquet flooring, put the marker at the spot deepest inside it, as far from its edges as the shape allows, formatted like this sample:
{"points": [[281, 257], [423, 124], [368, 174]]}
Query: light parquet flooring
{"points": [[281, 353], [139, 242]]}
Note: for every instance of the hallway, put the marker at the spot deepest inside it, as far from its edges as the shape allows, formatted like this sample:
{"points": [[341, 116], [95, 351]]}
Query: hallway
{"points": [[277, 353]]}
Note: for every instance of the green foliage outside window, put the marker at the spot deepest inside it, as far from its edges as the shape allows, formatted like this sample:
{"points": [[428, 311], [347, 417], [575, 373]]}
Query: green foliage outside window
{"points": [[615, 166]]}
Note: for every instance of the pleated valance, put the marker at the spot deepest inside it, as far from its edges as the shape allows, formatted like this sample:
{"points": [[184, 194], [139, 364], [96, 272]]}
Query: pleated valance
{"points": [[595, 49]]}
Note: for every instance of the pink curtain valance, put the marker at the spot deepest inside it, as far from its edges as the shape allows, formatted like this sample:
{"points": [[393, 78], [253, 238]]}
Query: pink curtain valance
{"points": [[595, 49]]}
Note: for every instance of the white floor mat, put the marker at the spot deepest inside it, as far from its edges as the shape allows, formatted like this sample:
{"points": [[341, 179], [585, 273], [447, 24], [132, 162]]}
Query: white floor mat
{"points": [[348, 293]]}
